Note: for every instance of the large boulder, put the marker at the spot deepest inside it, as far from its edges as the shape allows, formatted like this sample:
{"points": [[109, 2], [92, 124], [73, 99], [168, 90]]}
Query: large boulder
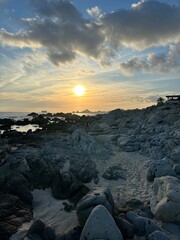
{"points": [[13, 213], [39, 230], [41, 172], [160, 168], [84, 169], [98, 196], [100, 225], [143, 226], [65, 186], [83, 141], [165, 199], [127, 229], [13, 182]]}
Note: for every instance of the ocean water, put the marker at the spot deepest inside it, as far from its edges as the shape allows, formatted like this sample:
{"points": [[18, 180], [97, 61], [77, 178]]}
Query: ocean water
{"points": [[21, 115], [18, 116], [14, 115]]}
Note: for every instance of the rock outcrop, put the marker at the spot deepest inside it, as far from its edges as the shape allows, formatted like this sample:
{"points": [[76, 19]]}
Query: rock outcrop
{"points": [[100, 225], [165, 199]]}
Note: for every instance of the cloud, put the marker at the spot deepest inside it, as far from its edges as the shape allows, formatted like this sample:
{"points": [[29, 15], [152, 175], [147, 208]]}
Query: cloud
{"points": [[146, 24], [64, 57], [62, 31], [162, 63], [94, 12]]}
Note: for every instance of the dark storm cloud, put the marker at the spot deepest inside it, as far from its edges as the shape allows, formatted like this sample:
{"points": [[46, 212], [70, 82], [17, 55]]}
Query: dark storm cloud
{"points": [[146, 24], [58, 58], [62, 9], [62, 31]]}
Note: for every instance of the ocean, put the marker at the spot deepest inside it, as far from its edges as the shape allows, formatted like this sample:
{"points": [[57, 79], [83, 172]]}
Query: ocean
{"points": [[21, 115], [14, 115]]}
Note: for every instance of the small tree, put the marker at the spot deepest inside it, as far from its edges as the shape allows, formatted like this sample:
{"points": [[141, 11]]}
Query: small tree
{"points": [[160, 101]]}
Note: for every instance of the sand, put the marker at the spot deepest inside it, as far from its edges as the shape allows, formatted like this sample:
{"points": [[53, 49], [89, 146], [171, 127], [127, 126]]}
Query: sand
{"points": [[134, 185]]}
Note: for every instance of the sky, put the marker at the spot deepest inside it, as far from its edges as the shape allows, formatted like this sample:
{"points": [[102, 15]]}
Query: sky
{"points": [[125, 53]]}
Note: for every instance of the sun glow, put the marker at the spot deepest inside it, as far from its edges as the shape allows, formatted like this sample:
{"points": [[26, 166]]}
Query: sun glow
{"points": [[79, 90]]}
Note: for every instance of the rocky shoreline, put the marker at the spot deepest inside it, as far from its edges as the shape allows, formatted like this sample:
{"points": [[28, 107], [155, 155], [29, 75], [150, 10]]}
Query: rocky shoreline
{"points": [[119, 175]]}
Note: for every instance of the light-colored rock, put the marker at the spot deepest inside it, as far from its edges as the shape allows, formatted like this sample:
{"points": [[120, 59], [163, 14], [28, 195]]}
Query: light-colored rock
{"points": [[100, 225], [160, 168], [83, 141], [98, 196], [165, 199]]}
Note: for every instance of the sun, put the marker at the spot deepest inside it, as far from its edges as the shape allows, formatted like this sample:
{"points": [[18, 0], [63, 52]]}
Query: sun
{"points": [[79, 90]]}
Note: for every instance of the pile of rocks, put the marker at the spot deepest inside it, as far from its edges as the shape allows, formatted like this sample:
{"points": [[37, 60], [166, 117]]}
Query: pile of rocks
{"points": [[154, 132], [99, 220]]}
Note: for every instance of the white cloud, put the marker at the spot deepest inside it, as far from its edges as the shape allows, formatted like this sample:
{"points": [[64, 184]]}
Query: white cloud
{"points": [[94, 12], [62, 31], [160, 63]]}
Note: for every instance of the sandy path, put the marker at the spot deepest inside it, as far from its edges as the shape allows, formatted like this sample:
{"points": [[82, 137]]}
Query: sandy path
{"points": [[134, 185], [135, 170]]}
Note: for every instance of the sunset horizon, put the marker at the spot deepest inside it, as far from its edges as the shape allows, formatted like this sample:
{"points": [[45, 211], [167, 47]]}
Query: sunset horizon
{"points": [[125, 54]]}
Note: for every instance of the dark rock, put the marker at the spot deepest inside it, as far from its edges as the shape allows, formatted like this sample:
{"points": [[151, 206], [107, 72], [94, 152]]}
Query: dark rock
{"points": [[68, 207], [13, 213], [41, 172], [98, 196], [176, 168], [73, 234], [113, 173], [158, 235], [84, 170], [37, 227], [78, 190], [23, 193], [12, 181], [48, 233], [61, 185], [143, 226], [138, 207], [127, 229], [65, 186]]}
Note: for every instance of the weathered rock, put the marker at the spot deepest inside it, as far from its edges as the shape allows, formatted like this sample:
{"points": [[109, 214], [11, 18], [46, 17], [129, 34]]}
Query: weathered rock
{"points": [[176, 169], [37, 227], [137, 206], [175, 155], [158, 235], [143, 226], [83, 141], [13, 182], [165, 199], [13, 213], [84, 169], [41, 172], [98, 196], [113, 173], [160, 168], [127, 229], [65, 186], [48, 233], [100, 225]]}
